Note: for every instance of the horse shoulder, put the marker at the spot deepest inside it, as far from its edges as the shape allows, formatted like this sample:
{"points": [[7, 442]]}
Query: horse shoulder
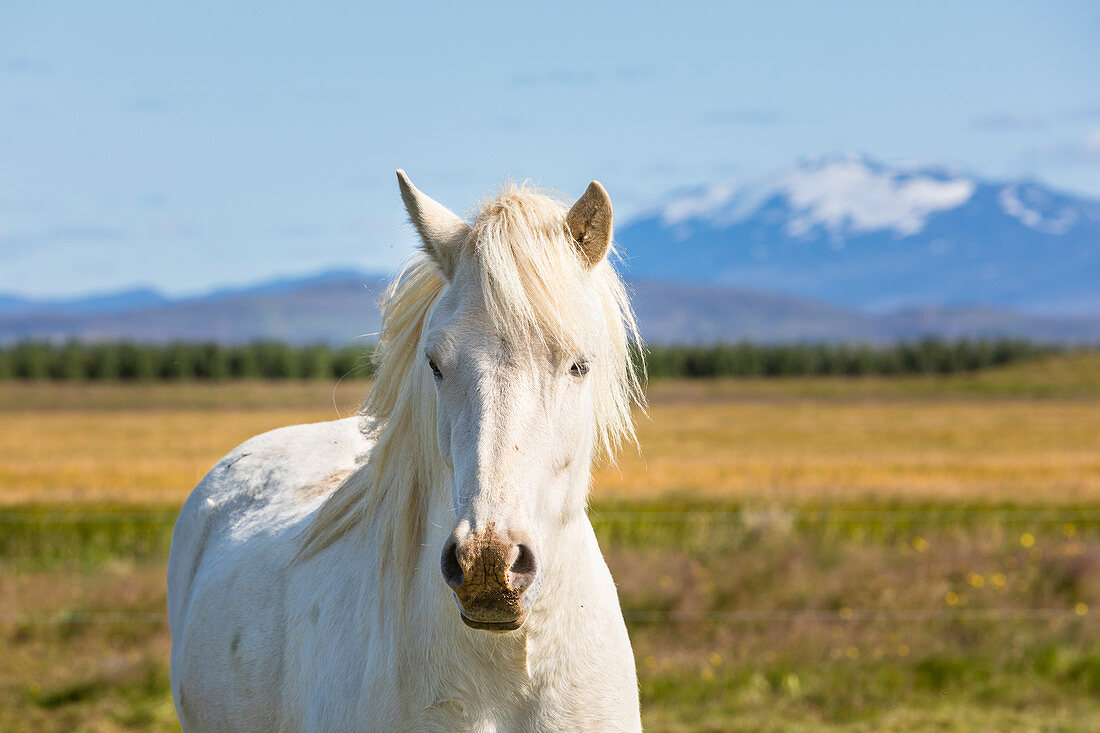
{"points": [[273, 477], [227, 567]]}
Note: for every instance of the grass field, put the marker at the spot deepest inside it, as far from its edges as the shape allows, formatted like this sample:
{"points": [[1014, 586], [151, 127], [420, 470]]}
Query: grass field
{"points": [[811, 554]]}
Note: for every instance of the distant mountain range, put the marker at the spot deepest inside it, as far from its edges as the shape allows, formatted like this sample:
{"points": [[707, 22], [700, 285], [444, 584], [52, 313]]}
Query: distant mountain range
{"points": [[850, 231], [834, 249], [333, 307], [342, 307], [13, 305]]}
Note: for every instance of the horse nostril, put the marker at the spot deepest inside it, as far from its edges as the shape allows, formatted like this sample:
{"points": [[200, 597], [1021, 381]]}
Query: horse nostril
{"points": [[523, 569], [452, 570]]}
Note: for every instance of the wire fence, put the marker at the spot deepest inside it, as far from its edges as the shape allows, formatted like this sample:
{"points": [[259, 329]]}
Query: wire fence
{"points": [[746, 516], [78, 517], [641, 616], [736, 516], [891, 615], [843, 516]]}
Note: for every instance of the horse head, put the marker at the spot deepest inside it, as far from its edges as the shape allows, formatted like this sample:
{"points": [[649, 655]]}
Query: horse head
{"points": [[527, 349]]}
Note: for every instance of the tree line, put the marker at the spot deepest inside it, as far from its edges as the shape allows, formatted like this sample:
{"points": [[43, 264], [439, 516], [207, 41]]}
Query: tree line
{"points": [[929, 356], [133, 362]]}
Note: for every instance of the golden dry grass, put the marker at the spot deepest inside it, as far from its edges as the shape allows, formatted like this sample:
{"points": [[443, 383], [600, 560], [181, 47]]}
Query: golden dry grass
{"points": [[141, 444], [1028, 433], [813, 449]]}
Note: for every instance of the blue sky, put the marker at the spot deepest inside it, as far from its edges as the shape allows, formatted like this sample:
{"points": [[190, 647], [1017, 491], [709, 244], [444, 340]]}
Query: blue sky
{"points": [[212, 144]]}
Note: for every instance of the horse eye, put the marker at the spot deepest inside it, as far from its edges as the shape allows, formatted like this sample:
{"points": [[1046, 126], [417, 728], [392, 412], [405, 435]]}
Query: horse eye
{"points": [[579, 368], [435, 370]]}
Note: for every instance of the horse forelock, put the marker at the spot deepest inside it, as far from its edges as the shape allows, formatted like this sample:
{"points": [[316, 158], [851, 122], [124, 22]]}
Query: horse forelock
{"points": [[539, 291]]}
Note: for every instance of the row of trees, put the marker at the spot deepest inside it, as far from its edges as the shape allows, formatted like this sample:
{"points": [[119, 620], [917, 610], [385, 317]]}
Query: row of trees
{"points": [[756, 360], [181, 361], [271, 360]]}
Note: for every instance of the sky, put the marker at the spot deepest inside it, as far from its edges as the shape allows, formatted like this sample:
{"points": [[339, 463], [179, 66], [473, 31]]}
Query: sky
{"points": [[198, 145]]}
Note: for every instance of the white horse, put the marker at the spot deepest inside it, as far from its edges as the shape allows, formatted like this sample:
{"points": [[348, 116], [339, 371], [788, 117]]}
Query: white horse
{"points": [[305, 585]]}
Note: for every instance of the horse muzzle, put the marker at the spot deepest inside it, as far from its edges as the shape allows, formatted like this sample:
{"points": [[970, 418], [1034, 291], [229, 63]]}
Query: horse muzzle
{"points": [[489, 574]]}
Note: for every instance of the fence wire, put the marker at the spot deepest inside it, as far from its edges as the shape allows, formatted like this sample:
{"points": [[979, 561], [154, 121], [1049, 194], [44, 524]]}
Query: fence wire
{"points": [[735, 516], [748, 517], [637, 616]]}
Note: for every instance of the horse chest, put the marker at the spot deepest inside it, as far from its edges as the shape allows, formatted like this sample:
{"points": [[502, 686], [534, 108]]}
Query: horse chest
{"points": [[485, 712]]}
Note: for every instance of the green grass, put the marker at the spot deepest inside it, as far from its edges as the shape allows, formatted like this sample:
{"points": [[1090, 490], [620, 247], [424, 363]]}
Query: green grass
{"points": [[941, 618], [743, 617], [48, 537]]}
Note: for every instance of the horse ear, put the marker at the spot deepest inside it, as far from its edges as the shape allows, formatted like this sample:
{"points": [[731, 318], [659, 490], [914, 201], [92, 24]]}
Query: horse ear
{"points": [[589, 223], [442, 231]]}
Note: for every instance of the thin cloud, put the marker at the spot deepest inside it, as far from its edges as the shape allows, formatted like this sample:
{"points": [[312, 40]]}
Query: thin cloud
{"points": [[147, 105], [1088, 111], [726, 169], [174, 229], [89, 232], [26, 65], [660, 169], [1009, 122], [566, 77], [18, 243], [635, 73], [1087, 148], [1083, 150], [554, 77], [153, 200], [299, 230], [508, 122], [741, 117]]}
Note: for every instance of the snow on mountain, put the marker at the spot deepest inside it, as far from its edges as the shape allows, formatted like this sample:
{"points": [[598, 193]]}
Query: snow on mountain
{"points": [[840, 195], [1037, 209], [864, 234]]}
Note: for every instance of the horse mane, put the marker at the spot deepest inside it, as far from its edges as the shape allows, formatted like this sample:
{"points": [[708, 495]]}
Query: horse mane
{"points": [[531, 276]]}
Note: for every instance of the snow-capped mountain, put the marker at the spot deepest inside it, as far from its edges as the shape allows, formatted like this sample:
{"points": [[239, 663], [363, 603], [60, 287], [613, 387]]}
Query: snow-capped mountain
{"points": [[858, 233], [835, 249]]}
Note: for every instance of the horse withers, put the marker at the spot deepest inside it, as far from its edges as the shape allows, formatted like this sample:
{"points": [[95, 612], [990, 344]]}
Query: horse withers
{"points": [[428, 564]]}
